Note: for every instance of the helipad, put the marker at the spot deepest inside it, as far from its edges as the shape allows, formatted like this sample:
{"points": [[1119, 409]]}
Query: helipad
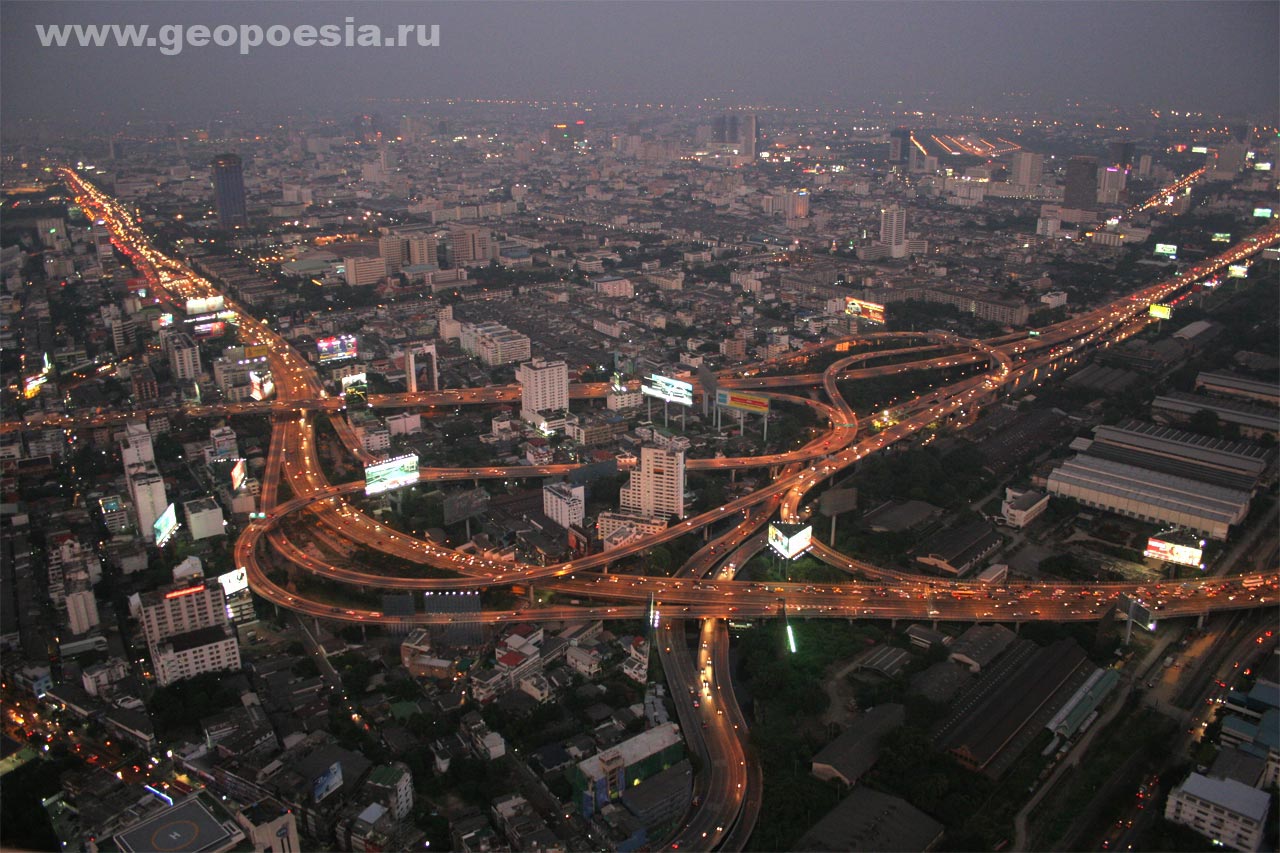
{"points": [[189, 827]]}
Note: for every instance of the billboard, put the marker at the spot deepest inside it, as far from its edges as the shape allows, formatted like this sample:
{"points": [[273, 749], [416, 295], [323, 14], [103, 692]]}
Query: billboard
{"points": [[755, 403], [1167, 249], [233, 582], [670, 390], [353, 379], [391, 474], [1160, 312], [1238, 271], [212, 329], [459, 506], [327, 782], [1221, 237], [1169, 552], [257, 351], [204, 305], [166, 525], [1262, 212], [790, 540], [336, 347], [869, 311], [836, 501], [237, 475], [166, 320], [261, 385]]}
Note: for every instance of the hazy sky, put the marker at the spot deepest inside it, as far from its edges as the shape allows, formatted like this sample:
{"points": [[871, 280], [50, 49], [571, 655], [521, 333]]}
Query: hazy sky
{"points": [[1209, 56]]}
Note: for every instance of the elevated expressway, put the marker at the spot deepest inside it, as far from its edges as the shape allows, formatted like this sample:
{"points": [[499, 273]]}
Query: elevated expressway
{"points": [[730, 808]]}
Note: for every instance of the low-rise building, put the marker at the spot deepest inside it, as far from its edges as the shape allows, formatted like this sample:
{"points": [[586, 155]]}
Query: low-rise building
{"points": [[1227, 812]]}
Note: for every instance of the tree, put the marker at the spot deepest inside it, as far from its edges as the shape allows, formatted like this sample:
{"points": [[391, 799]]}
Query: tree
{"points": [[1205, 422]]}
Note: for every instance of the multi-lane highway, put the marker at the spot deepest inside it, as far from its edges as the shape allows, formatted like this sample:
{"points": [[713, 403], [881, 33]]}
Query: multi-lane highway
{"points": [[700, 590]]}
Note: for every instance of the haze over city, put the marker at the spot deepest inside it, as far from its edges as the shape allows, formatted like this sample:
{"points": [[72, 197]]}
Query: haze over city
{"points": [[639, 426]]}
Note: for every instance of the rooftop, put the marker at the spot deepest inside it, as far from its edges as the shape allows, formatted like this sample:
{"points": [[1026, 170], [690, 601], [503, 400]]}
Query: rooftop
{"points": [[1231, 795]]}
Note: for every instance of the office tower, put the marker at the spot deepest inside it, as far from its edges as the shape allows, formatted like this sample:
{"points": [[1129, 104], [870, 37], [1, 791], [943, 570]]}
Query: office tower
{"points": [[656, 487], [564, 136], [82, 611], [469, 246], [1081, 189], [228, 191], [420, 370], [563, 503], [899, 145], [362, 272], [135, 444], [736, 129], [1025, 169], [388, 160], [423, 249], [544, 387], [102, 240], [1144, 166], [1121, 155], [1111, 182], [893, 230], [146, 490], [392, 250], [184, 357], [187, 631]]}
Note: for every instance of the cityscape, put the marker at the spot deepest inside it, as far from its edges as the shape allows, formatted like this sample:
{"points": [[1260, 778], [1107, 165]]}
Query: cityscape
{"points": [[592, 426]]}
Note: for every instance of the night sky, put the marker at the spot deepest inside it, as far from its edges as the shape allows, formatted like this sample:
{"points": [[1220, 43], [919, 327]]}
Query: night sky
{"points": [[1187, 55]]}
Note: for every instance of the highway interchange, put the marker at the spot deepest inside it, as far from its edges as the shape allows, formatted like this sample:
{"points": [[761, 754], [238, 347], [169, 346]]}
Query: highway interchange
{"points": [[704, 587]]}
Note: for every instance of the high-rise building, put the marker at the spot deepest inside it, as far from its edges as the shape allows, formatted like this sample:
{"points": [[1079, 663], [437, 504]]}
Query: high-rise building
{"points": [[899, 145], [392, 250], [564, 503], [1026, 168], [893, 230], [135, 444], [1111, 182], [184, 357], [423, 249], [146, 490], [741, 130], [1081, 189], [187, 631], [469, 246], [1121, 155], [656, 487], [82, 611], [363, 272], [228, 191], [544, 387]]}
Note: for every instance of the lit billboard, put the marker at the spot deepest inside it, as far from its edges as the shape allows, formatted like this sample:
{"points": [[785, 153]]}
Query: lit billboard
{"points": [[1169, 552], [670, 390], [261, 385], [869, 311], [391, 474], [1199, 149], [1161, 312], [233, 582], [166, 320], [353, 379], [336, 347], [1221, 237], [1238, 271], [237, 475], [1262, 212], [212, 329], [1167, 249], [755, 403], [1262, 167], [790, 540], [257, 351], [166, 525], [204, 305]]}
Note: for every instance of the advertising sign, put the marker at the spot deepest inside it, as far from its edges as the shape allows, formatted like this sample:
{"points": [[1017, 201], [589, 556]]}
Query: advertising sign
{"points": [[257, 351], [1262, 212], [1169, 552], [204, 304], [353, 379], [166, 525], [869, 311], [1167, 249], [336, 347], [213, 329], [459, 506], [1160, 312], [1221, 237], [790, 540], [1238, 271], [237, 475], [757, 404], [233, 582], [261, 385], [391, 474], [671, 390], [327, 782]]}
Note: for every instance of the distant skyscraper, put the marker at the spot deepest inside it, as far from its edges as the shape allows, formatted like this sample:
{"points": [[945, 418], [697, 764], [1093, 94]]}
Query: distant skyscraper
{"points": [[1081, 190], [656, 487], [899, 145], [392, 249], [544, 388], [228, 190], [420, 370], [742, 130], [1026, 168], [1121, 155], [893, 230]]}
